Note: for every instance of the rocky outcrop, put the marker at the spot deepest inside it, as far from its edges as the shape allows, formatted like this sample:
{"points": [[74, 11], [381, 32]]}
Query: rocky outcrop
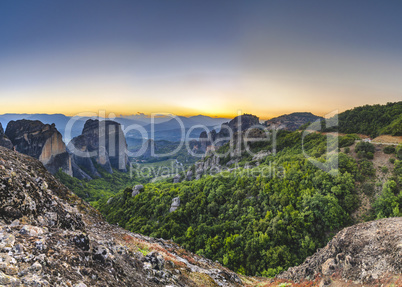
{"points": [[41, 141], [363, 253], [292, 121], [102, 142], [176, 178], [209, 164], [50, 237], [4, 141], [175, 204], [239, 124], [137, 190], [228, 130]]}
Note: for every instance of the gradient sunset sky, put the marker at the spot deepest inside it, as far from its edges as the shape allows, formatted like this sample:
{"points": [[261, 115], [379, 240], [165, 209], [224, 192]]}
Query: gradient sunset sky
{"points": [[198, 57]]}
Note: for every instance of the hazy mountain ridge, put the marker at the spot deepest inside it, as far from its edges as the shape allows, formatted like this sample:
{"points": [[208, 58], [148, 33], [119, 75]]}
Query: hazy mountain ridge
{"points": [[160, 123]]}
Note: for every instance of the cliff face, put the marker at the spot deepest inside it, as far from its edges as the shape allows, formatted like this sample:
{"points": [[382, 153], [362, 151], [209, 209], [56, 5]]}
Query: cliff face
{"points": [[4, 141], [41, 141], [102, 141], [50, 237]]}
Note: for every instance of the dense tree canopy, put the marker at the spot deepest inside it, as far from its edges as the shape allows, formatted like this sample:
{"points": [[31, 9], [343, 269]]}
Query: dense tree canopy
{"points": [[264, 219], [250, 220], [371, 120]]}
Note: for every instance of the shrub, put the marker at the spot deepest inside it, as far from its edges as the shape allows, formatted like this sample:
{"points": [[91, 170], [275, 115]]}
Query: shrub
{"points": [[365, 150], [389, 149], [368, 188], [361, 154], [347, 140], [366, 167], [399, 151], [384, 169], [347, 150], [392, 160], [365, 147], [369, 155]]}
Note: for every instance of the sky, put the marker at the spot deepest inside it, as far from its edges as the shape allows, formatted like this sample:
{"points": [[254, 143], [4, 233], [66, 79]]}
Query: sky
{"points": [[216, 58]]}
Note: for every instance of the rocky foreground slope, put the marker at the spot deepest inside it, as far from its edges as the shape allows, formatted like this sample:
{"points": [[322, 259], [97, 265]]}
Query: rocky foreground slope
{"points": [[50, 237], [367, 253]]}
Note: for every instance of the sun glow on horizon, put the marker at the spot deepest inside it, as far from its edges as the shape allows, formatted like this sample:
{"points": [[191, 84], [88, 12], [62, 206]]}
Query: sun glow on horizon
{"points": [[266, 59]]}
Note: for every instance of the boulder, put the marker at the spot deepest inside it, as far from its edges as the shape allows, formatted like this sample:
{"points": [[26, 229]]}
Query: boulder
{"points": [[175, 204], [362, 253], [137, 189], [156, 260], [189, 175]]}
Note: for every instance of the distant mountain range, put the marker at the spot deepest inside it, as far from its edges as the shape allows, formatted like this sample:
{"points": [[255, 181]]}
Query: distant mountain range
{"points": [[165, 127]]}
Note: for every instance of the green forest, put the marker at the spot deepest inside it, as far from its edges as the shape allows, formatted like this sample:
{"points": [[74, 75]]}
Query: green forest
{"points": [[255, 221], [372, 120], [263, 217]]}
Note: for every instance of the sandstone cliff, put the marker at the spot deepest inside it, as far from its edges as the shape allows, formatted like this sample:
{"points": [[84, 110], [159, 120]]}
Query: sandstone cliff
{"points": [[4, 141], [41, 141], [101, 141]]}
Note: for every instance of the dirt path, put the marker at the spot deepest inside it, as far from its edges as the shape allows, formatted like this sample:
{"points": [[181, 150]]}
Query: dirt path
{"points": [[387, 140]]}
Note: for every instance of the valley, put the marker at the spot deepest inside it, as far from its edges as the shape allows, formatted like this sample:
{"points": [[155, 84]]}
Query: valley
{"points": [[200, 143], [259, 210]]}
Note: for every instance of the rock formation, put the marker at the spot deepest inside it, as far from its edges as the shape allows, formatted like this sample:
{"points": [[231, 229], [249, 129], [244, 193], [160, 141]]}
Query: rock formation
{"points": [[4, 141], [41, 141], [292, 121], [175, 204], [50, 237], [208, 165], [176, 178], [363, 253], [228, 131], [101, 141], [137, 189]]}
